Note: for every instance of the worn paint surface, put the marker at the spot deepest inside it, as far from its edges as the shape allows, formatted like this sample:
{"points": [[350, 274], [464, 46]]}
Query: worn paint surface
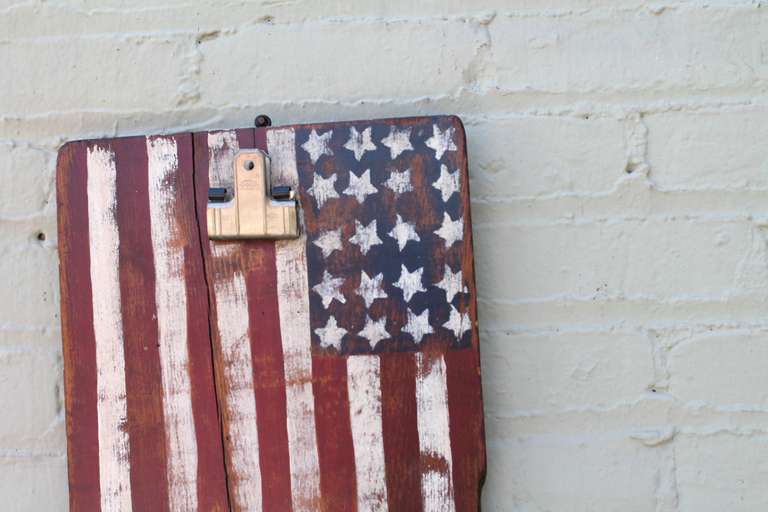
{"points": [[345, 363]]}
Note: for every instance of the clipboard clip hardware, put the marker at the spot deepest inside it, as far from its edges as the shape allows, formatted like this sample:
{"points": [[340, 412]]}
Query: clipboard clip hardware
{"points": [[252, 208]]}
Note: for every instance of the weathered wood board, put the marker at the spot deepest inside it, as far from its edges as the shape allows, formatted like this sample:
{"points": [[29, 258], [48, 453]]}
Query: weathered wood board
{"points": [[339, 371]]}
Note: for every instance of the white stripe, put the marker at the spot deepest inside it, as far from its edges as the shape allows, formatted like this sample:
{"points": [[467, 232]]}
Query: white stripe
{"points": [[434, 433], [240, 404], [222, 147], [293, 303], [111, 406], [232, 324], [171, 303], [363, 386]]}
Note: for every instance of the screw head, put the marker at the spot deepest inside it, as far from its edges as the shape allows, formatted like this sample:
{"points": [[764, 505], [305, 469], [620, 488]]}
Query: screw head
{"points": [[262, 121]]}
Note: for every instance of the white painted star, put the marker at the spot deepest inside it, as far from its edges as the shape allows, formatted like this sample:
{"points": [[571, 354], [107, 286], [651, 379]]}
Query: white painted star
{"points": [[370, 289], [365, 236], [317, 145], [458, 323], [448, 183], [329, 241], [441, 141], [323, 189], [451, 230], [397, 141], [331, 334], [418, 325], [359, 143], [374, 330], [360, 186], [451, 283], [399, 182], [410, 282], [404, 231], [328, 289]]}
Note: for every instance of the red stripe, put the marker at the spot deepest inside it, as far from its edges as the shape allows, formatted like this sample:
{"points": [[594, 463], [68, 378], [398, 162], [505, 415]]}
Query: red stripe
{"points": [[268, 370], [268, 375], [143, 380], [466, 426], [334, 433], [401, 436], [211, 478], [79, 342]]}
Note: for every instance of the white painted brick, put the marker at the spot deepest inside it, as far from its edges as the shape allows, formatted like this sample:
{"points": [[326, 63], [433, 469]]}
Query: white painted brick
{"points": [[722, 471], [721, 369], [31, 171], [554, 371], [689, 49], [205, 16], [663, 259], [580, 156], [30, 283], [578, 473], [30, 386], [363, 60], [690, 150], [34, 483], [99, 73]]}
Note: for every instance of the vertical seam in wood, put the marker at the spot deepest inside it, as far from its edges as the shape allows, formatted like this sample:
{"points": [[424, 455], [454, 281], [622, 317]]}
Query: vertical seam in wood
{"points": [[201, 241]]}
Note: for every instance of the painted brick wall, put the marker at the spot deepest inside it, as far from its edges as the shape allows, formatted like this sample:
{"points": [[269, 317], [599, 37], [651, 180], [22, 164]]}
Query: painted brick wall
{"points": [[620, 195]]}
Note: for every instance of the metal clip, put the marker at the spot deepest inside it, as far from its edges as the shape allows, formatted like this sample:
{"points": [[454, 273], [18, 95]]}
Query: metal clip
{"points": [[252, 210]]}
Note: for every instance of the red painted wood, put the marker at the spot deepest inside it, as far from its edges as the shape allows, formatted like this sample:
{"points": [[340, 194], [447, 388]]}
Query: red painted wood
{"points": [[144, 386], [268, 375], [79, 350], [401, 442], [334, 434], [467, 446]]}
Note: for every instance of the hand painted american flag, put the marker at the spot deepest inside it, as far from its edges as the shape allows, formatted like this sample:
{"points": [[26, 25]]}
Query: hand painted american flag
{"points": [[346, 363]]}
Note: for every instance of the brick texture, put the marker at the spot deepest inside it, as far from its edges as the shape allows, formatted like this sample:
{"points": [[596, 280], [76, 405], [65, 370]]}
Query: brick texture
{"points": [[620, 198]]}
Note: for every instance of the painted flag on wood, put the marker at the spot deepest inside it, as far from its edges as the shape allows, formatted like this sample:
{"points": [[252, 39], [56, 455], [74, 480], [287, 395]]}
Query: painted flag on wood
{"points": [[345, 363]]}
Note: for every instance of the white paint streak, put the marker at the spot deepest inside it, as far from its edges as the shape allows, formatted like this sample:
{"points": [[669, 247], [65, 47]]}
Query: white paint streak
{"points": [[240, 403], [111, 406], [293, 303], [222, 147], [171, 301], [232, 324], [363, 385], [434, 433]]}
